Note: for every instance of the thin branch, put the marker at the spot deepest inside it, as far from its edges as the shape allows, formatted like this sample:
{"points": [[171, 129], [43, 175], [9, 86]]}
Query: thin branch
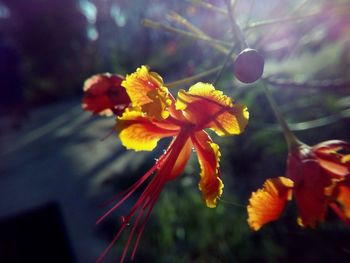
{"points": [[193, 78], [324, 121], [250, 12], [236, 31], [269, 22], [291, 139], [192, 28], [300, 6], [176, 17], [317, 84], [227, 59], [275, 30], [211, 7], [316, 123], [156, 25]]}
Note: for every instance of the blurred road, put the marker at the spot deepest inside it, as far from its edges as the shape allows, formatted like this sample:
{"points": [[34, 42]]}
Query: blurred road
{"points": [[60, 156]]}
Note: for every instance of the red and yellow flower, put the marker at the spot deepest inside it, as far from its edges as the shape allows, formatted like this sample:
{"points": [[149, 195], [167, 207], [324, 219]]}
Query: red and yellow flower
{"points": [[155, 114], [317, 177], [104, 95]]}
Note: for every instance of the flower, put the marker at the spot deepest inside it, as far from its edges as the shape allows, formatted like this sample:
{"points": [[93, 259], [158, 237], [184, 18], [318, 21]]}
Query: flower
{"points": [[104, 95], [317, 177], [155, 114]]}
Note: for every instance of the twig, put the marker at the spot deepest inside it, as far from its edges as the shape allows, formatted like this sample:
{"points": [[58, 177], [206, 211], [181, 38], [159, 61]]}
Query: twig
{"points": [[193, 78], [252, 3], [236, 31], [269, 22], [323, 121], [316, 123], [211, 7], [317, 84], [156, 25], [227, 59], [291, 139], [183, 21]]}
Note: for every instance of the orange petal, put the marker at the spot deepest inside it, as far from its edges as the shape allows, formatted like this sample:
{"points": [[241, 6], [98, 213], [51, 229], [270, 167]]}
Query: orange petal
{"points": [[208, 157], [209, 108], [267, 203], [344, 196], [141, 133], [146, 90], [310, 183]]}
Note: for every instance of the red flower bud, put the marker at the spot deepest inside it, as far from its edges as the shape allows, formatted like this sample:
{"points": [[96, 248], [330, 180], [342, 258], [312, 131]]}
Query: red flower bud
{"points": [[104, 95]]}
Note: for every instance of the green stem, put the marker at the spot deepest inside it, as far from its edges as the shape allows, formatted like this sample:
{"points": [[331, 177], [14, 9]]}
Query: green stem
{"points": [[236, 31], [227, 59], [211, 7], [193, 78], [195, 30], [290, 137], [269, 22]]}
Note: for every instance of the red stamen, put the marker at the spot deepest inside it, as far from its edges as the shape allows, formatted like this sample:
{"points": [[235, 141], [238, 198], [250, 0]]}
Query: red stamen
{"points": [[156, 186], [148, 198], [144, 223], [126, 248], [126, 221], [129, 191]]}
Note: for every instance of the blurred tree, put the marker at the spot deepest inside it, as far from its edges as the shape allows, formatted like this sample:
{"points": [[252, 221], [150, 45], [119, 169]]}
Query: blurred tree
{"points": [[51, 38]]}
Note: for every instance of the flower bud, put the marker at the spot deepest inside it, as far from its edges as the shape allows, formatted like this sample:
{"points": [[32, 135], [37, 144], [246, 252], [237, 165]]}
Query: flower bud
{"points": [[248, 66]]}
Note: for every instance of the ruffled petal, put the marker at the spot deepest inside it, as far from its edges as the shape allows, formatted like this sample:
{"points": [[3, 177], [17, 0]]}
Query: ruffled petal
{"points": [[208, 157], [267, 203], [146, 90], [104, 95], [209, 108], [141, 133]]}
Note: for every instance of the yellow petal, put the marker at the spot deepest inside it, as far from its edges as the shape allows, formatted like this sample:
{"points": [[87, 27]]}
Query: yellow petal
{"points": [[267, 203], [141, 133], [345, 158], [146, 90], [208, 154], [207, 107]]}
